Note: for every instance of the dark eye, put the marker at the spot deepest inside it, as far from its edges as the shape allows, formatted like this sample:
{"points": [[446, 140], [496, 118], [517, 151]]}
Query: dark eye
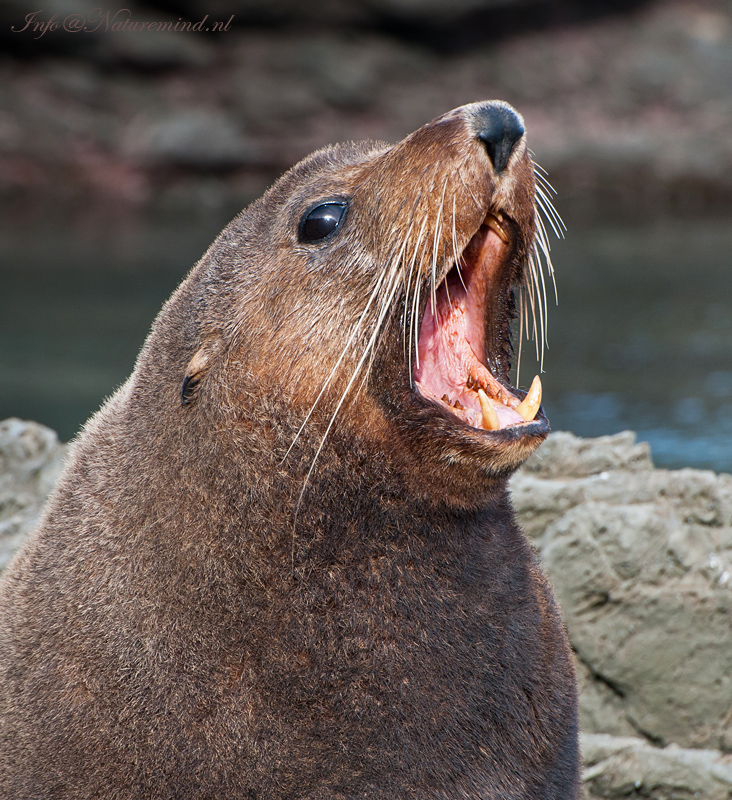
{"points": [[321, 221]]}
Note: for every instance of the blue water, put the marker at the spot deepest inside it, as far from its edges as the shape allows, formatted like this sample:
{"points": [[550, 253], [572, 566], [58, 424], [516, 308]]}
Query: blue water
{"points": [[641, 338]]}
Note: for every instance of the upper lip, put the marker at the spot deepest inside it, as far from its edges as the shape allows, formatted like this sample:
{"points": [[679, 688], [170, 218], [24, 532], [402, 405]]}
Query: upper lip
{"points": [[451, 362]]}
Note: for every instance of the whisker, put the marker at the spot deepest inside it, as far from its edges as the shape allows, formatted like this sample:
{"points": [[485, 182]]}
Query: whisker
{"points": [[533, 294], [541, 177], [396, 278], [415, 303], [530, 284], [407, 334], [520, 337], [455, 247], [547, 206], [420, 256], [544, 317], [544, 243], [437, 235], [385, 307], [536, 164], [352, 336], [544, 204], [538, 277], [415, 311], [408, 278], [544, 194]]}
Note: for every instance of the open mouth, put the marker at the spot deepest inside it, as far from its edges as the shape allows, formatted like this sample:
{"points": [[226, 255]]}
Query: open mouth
{"points": [[451, 363]]}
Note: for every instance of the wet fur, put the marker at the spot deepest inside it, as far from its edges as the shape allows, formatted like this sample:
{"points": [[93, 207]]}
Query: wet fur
{"points": [[222, 601]]}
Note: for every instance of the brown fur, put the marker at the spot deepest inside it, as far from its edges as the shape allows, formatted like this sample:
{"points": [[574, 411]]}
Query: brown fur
{"points": [[196, 618]]}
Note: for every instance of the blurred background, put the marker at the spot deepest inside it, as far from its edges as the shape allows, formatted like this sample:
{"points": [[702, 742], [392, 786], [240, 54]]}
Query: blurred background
{"points": [[123, 152]]}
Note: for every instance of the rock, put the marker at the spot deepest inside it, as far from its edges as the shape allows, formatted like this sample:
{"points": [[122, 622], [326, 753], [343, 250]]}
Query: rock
{"points": [[601, 707], [641, 563], [629, 113], [436, 10], [31, 460], [196, 138], [108, 36], [347, 74], [565, 455], [629, 767], [297, 77], [156, 49], [333, 12]]}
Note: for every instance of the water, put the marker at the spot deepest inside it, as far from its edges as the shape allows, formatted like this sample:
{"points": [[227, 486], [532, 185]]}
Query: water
{"points": [[641, 339], [76, 305]]}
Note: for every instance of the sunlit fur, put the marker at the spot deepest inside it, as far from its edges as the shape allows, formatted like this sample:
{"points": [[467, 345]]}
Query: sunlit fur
{"points": [[425, 244]]}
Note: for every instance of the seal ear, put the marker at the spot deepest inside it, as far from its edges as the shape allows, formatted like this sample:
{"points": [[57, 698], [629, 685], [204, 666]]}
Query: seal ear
{"points": [[195, 372]]}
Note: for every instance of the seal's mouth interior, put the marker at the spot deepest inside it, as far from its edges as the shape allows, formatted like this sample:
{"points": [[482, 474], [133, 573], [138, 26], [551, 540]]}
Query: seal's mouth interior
{"points": [[451, 363]]}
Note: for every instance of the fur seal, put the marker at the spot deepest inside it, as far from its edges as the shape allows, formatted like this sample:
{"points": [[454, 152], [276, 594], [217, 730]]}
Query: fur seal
{"points": [[282, 561]]}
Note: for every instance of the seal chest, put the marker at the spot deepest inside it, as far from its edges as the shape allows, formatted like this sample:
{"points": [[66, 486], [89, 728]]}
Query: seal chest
{"points": [[282, 561]]}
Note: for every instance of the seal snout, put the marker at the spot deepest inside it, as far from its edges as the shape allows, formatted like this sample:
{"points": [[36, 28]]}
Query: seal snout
{"points": [[499, 127], [463, 341]]}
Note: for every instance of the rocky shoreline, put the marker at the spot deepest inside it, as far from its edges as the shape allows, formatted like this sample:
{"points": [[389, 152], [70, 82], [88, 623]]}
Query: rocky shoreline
{"points": [[627, 107], [641, 562]]}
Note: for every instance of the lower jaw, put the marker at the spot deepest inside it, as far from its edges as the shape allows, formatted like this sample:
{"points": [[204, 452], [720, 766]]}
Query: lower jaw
{"points": [[485, 404]]}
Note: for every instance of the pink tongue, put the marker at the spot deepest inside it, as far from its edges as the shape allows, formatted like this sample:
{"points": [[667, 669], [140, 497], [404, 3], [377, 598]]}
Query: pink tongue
{"points": [[446, 359]]}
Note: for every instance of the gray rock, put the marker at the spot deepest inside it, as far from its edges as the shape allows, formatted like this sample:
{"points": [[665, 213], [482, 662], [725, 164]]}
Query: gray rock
{"points": [[437, 9], [336, 11], [297, 77], [158, 48], [631, 112], [629, 767], [99, 32], [196, 138], [641, 563], [31, 460], [565, 455]]}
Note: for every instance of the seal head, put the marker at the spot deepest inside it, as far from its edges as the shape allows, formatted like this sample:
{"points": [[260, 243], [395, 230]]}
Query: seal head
{"points": [[372, 289]]}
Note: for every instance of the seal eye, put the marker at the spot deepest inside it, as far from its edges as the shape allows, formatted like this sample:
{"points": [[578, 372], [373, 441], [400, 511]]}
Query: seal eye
{"points": [[321, 221]]}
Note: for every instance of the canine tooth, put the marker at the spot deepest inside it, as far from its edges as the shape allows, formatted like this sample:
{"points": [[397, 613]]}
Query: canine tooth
{"points": [[445, 399], [490, 418], [528, 407], [494, 221]]}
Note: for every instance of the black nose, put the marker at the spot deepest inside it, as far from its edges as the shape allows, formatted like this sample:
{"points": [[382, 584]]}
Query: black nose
{"points": [[499, 128]]}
